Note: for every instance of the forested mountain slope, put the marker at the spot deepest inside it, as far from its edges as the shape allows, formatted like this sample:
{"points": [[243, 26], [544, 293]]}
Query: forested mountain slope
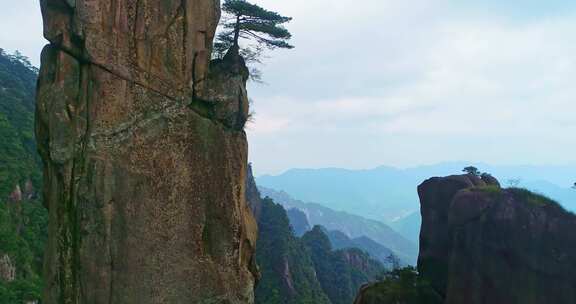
{"points": [[23, 219], [303, 269], [308, 269], [353, 226]]}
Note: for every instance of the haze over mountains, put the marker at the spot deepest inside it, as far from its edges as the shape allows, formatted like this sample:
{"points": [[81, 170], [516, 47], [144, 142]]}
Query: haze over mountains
{"points": [[373, 236], [389, 194]]}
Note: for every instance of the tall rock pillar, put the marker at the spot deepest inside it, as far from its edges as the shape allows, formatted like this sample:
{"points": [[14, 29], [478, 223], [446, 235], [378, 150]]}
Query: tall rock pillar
{"points": [[144, 174]]}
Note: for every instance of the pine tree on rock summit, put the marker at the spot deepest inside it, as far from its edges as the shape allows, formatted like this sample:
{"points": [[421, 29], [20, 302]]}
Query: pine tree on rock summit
{"points": [[259, 28]]}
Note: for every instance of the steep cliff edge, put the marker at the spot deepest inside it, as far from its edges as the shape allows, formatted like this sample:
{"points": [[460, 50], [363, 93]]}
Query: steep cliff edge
{"points": [[144, 155], [253, 197], [481, 244]]}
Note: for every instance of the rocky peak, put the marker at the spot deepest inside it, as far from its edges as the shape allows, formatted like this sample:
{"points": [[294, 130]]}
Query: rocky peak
{"points": [[298, 221], [29, 191], [483, 244], [16, 194], [7, 269], [224, 91], [144, 155], [359, 259], [490, 180], [435, 198], [26, 193]]}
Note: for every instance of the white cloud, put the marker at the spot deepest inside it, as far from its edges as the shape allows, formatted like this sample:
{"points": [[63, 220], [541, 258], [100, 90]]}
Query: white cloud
{"points": [[501, 87], [22, 28], [401, 82]]}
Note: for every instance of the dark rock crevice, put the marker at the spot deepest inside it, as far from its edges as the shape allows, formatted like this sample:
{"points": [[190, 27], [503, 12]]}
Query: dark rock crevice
{"points": [[205, 108]]}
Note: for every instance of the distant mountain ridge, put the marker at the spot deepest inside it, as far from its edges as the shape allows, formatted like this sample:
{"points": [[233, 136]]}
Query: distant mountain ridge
{"points": [[353, 226], [339, 240], [389, 194], [376, 250], [409, 226], [382, 195], [306, 268], [298, 221]]}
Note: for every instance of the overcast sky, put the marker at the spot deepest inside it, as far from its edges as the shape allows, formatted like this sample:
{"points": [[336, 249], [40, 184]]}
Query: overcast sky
{"points": [[402, 82]]}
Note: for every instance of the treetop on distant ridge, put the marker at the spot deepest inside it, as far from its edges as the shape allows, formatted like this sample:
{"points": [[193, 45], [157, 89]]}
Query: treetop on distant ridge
{"points": [[472, 170]]}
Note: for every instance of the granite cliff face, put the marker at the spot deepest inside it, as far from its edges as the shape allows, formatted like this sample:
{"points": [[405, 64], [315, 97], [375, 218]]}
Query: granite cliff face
{"points": [[481, 244], [144, 155]]}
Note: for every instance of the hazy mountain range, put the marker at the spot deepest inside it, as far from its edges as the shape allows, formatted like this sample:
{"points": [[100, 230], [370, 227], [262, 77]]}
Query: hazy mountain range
{"points": [[389, 195], [373, 236]]}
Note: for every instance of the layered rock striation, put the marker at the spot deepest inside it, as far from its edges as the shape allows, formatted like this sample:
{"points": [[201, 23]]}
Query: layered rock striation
{"points": [[144, 155], [482, 244]]}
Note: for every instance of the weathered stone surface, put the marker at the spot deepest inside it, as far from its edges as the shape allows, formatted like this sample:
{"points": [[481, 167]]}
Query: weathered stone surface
{"points": [[435, 198], [490, 180], [163, 45], [7, 269], [484, 245], [227, 81], [16, 194], [371, 294], [146, 193], [29, 191]]}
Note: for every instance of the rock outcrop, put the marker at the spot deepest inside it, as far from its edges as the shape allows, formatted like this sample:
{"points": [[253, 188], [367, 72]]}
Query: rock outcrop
{"points": [[481, 244], [298, 221], [400, 286], [7, 269], [16, 195], [144, 168], [435, 198]]}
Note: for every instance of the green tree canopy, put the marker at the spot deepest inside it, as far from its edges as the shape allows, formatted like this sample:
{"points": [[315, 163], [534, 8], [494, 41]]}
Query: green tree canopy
{"points": [[244, 20], [471, 170], [23, 223], [402, 286]]}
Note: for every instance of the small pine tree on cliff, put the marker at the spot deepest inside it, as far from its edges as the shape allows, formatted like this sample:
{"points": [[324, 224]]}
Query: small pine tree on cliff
{"points": [[254, 24], [472, 170]]}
